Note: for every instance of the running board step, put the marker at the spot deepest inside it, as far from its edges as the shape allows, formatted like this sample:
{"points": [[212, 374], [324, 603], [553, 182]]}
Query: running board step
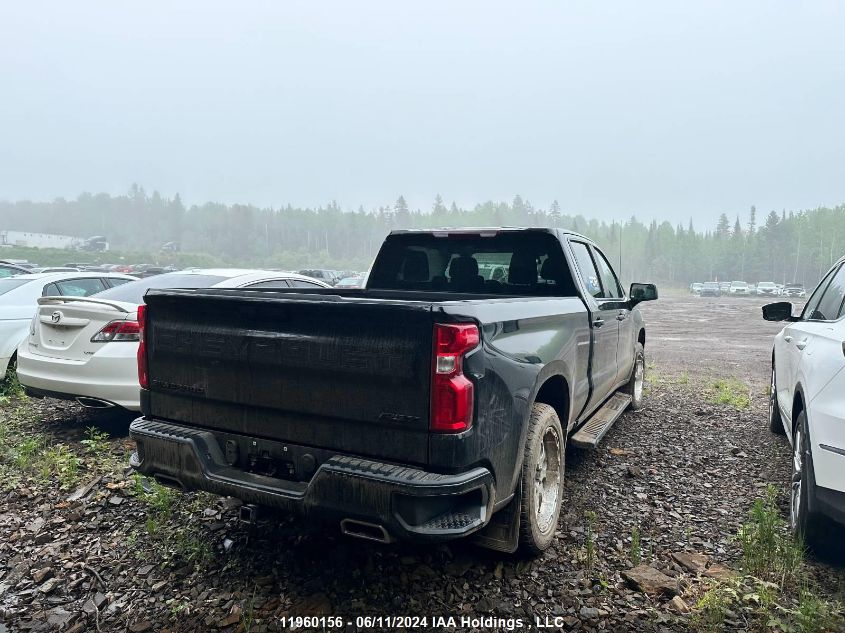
{"points": [[589, 435]]}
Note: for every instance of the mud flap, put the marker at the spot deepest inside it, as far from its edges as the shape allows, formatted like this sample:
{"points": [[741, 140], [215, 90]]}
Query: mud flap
{"points": [[502, 533]]}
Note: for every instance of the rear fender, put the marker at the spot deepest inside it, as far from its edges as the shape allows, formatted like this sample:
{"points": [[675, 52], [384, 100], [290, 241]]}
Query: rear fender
{"points": [[558, 368]]}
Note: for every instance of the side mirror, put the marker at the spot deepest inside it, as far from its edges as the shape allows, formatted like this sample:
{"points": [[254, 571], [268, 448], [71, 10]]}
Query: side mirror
{"points": [[780, 311], [642, 292]]}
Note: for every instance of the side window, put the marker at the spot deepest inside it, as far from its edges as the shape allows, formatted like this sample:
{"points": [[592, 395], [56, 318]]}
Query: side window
{"points": [[816, 297], [80, 287], [612, 289], [7, 272], [300, 283], [270, 283], [116, 281], [830, 305], [50, 290], [588, 269]]}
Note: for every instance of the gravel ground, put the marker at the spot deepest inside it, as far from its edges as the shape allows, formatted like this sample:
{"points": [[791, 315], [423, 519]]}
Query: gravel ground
{"points": [[680, 475]]}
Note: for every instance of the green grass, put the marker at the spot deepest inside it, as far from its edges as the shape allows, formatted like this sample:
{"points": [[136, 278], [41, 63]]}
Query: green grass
{"points": [[774, 591], [711, 610], [10, 387], [768, 550], [96, 441], [60, 462], [183, 545], [730, 392], [636, 553], [590, 544]]}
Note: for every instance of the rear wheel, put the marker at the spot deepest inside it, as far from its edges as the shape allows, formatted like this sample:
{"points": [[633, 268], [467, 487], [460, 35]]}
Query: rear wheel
{"points": [[542, 479], [636, 384], [804, 524], [775, 420]]}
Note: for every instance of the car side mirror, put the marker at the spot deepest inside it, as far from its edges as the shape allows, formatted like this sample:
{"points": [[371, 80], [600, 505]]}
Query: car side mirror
{"points": [[642, 292], [780, 311]]}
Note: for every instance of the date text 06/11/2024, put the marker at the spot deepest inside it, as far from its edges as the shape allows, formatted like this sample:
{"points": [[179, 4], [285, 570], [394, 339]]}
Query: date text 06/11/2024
{"points": [[381, 622]]}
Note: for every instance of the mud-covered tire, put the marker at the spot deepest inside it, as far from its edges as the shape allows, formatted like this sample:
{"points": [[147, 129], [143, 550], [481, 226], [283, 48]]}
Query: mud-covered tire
{"points": [[636, 383], [542, 480], [775, 419], [806, 525]]}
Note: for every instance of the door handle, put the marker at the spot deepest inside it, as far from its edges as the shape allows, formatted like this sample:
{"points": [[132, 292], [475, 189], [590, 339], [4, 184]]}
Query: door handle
{"points": [[787, 338], [597, 323], [622, 316], [801, 344]]}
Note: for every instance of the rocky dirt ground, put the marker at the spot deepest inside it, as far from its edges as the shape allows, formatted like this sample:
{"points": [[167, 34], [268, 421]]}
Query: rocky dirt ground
{"points": [[647, 537]]}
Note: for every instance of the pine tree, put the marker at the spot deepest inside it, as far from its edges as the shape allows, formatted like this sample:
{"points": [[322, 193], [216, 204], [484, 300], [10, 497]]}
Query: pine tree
{"points": [[554, 214]]}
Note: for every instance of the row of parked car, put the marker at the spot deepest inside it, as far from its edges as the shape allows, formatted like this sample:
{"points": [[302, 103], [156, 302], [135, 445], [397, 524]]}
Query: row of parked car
{"points": [[744, 289], [10, 268]]}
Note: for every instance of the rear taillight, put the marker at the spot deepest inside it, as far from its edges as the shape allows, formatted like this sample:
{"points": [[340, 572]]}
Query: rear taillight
{"points": [[452, 393], [143, 378], [118, 331]]}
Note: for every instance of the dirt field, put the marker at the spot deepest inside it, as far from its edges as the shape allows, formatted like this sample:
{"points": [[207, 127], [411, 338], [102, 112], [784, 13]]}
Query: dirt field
{"points": [[710, 337], [111, 552]]}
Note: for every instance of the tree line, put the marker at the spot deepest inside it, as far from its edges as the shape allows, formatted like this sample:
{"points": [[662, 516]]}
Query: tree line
{"points": [[778, 246]]}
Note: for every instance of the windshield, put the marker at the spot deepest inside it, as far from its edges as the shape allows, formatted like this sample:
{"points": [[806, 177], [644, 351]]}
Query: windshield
{"points": [[525, 263], [711, 284], [10, 284], [133, 292], [766, 284]]}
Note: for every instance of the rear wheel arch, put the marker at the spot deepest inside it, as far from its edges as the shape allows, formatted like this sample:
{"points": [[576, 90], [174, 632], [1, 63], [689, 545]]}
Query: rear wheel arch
{"points": [[555, 392]]}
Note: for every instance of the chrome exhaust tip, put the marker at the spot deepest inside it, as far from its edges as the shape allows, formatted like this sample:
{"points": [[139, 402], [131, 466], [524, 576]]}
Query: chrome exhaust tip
{"points": [[365, 530], [94, 403]]}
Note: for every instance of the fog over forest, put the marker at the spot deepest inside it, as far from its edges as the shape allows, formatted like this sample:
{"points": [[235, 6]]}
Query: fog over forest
{"points": [[781, 246]]}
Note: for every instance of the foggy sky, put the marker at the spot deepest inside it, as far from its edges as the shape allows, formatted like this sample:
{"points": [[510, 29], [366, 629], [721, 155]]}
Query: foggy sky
{"points": [[664, 109]]}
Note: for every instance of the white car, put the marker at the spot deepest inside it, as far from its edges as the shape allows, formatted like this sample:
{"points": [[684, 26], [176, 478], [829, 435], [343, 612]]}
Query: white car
{"points": [[19, 300], [739, 288], [768, 288], [85, 349], [807, 403]]}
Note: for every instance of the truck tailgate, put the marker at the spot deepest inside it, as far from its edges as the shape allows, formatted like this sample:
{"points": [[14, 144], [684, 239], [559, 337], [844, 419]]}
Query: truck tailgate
{"points": [[336, 373]]}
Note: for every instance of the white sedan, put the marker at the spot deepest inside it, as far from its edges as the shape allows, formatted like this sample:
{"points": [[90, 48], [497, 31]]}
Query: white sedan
{"points": [[807, 403], [19, 301], [85, 349]]}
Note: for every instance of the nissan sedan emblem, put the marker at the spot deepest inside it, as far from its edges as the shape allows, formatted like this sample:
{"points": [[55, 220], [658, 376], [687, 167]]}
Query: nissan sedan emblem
{"points": [[56, 316]]}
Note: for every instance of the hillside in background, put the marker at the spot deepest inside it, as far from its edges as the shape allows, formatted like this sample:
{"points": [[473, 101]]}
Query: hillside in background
{"points": [[780, 246]]}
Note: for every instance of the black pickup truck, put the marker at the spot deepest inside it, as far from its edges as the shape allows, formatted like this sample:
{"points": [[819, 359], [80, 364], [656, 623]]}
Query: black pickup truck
{"points": [[433, 404]]}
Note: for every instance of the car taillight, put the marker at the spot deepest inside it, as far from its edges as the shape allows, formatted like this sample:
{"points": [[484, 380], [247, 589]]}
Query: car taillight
{"points": [[116, 331], [452, 393], [143, 378]]}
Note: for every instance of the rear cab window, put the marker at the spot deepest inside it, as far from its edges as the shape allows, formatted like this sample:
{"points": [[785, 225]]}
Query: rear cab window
{"points": [[523, 263]]}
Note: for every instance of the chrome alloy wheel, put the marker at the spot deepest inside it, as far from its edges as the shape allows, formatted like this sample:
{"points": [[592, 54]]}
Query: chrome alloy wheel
{"points": [[547, 480], [639, 378], [772, 395], [797, 470]]}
